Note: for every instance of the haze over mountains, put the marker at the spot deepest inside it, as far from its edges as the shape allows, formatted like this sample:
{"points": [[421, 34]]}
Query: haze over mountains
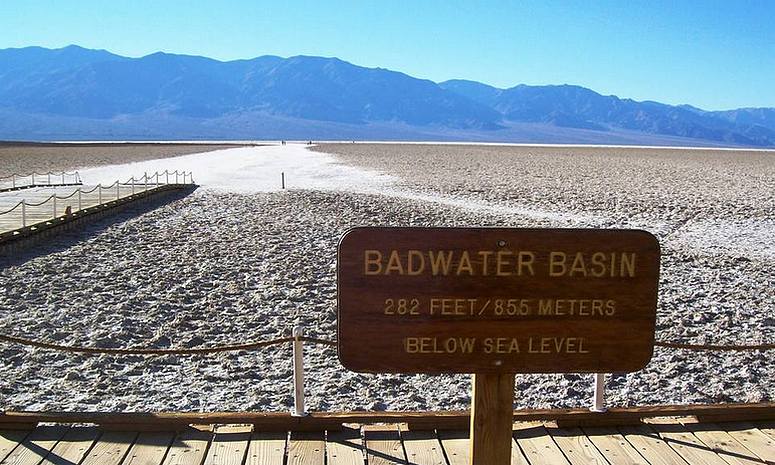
{"points": [[75, 93]]}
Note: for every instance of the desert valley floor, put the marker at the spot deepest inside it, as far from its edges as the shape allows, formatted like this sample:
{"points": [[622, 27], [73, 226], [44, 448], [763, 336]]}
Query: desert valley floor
{"points": [[240, 259]]}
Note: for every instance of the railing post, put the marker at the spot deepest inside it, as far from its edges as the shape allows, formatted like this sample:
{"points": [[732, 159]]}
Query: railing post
{"points": [[24, 213], [167, 174], [176, 176], [598, 400], [298, 372], [146, 181], [54, 198], [157, 178], [99, 194], [79, 199], [118, 190], [33, 179], [133, 184]]}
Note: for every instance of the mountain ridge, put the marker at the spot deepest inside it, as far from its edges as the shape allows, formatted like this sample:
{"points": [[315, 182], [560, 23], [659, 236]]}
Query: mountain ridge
{"points": [[84, 93]]}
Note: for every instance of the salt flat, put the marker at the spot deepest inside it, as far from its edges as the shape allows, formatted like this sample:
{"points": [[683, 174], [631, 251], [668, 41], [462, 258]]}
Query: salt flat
{"points": [[241, 259], [252, 169]]}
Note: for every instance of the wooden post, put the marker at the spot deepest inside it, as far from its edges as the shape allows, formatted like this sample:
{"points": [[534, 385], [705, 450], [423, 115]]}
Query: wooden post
{"points": [[492, 411]]}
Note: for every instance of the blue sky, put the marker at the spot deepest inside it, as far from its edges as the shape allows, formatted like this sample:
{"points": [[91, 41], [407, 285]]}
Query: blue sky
{"points": [[715, 55]]}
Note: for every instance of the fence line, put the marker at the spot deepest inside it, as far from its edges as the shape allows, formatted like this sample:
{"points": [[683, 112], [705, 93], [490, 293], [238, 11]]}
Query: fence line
{"points": [[298, 339], [26, 213], [35, 179]]}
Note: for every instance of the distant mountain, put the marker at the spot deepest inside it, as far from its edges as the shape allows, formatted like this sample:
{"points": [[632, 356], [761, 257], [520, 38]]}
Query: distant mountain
{"points": [[578, 107], [91, 84], [77, 93]]}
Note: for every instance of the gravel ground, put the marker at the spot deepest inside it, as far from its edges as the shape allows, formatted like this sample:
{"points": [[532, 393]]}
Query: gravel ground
{"points": [[25, 158], [219, 267]]}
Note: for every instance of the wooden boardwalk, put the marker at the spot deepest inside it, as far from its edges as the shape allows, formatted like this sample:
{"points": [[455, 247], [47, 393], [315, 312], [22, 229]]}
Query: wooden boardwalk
{"points": [[29, 211], [657, 441]]}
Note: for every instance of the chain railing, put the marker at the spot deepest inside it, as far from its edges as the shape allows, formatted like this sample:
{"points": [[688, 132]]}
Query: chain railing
{"points": [[26, 213], [22, 181]]}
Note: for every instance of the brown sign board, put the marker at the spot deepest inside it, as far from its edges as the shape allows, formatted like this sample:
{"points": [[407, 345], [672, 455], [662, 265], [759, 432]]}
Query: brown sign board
{"points": [[496, 300]]}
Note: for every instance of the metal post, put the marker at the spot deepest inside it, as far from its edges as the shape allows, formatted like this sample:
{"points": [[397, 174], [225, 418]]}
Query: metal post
{"points": [[79, 199], [298, 373], [157, 178], [24, 214], [167, 174], [282, 179], [54, 197], [33, 178], [118, 191], [133, 184], [99, 194], [599, 397], [176, 176], [145, 178]]}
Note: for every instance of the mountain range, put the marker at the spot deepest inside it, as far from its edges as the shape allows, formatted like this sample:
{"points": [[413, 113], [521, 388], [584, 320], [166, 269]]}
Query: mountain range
{"points": [[75, 93]]}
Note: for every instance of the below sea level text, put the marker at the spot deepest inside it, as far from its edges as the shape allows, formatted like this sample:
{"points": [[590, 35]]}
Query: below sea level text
{"points": [[495, 345]]}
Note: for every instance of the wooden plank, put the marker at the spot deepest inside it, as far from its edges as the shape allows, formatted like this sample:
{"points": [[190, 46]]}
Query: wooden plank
{"points": [[383, 445], [36, 446], [576, 446], [9, 440], [110, 449], [229, 446], [686, 444], [517, 455], [266, 448], [537, 445], [149, 449], [492, 408], [614, 446], [281, 421], [755, 440], [345, 447], [189, 447], [651, 446], [306, 449], [73, 447], [767, 428], [723, 444], [423, 447], [455, 444]]}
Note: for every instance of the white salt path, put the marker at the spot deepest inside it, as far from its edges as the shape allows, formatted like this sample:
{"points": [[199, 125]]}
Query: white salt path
{"points": [[251, 169]]}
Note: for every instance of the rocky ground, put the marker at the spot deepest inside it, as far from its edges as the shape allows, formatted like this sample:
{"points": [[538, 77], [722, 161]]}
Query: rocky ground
{"points": [[23, 159], [219, 267]]}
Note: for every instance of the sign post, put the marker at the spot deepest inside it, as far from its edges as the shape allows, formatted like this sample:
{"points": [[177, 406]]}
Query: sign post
{"points": [[495, 302]]}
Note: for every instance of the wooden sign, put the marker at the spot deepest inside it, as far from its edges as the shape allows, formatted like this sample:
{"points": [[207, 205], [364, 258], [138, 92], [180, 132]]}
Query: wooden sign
{"points": [[493, 300]]}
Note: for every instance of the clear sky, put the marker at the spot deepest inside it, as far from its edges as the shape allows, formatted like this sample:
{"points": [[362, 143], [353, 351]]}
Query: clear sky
{"points": [[711, 54]]}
